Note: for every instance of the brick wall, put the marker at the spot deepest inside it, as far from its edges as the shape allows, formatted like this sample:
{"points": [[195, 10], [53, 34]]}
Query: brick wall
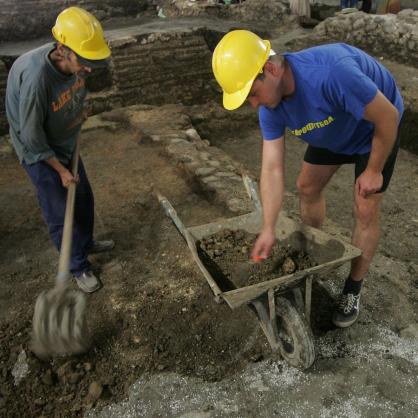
{"points": [[155, 68], [162, 68]]}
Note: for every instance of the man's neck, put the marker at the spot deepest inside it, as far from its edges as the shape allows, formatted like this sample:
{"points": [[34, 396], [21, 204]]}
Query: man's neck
{"points": [[289, 86]]}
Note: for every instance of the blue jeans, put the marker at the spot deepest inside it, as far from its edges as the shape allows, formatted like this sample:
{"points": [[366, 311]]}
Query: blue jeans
{"points": [[348, 3], [52, 197]]}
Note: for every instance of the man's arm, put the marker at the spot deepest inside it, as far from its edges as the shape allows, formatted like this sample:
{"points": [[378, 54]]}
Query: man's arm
{"points": [[272, 192], [385, 117], [32, 133]]}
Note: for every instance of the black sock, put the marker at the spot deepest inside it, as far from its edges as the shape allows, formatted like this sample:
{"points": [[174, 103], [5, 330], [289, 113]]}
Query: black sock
{"points": [[352, 286]]}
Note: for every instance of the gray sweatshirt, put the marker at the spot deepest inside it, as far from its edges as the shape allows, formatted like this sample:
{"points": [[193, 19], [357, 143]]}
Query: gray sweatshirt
{"points": [[42, 105]]}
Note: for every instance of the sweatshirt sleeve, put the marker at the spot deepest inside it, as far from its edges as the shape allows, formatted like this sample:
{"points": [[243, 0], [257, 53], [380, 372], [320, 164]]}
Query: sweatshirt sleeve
{"points": [[32, 114]]}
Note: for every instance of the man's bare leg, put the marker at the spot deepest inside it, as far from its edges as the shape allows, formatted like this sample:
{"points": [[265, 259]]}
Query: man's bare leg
{"points": [[366, 237], [366, 232], [311, 183]]}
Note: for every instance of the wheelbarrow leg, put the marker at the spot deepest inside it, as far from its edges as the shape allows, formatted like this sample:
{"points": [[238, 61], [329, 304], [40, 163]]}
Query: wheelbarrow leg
{"points": [[266, 315], [285, 328]]}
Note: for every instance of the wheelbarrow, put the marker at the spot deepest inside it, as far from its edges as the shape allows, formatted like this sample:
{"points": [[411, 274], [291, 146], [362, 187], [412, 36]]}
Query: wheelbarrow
{"points": [[285, 321]]}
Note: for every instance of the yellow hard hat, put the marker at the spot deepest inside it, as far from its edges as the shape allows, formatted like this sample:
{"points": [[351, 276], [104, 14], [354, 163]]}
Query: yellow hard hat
{"points": [[80, 31], [237, 60]]}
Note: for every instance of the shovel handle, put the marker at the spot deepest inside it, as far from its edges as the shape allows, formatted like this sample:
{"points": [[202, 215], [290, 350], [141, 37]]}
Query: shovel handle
{"points": [[67, 235]]}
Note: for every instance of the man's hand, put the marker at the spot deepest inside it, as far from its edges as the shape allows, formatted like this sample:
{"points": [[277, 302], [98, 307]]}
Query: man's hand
{"points": [[67, 178], [369, 182], [263, 245]]}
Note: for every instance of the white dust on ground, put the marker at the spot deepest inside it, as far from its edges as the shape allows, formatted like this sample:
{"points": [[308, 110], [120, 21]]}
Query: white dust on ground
{"points": [[374, 378]]}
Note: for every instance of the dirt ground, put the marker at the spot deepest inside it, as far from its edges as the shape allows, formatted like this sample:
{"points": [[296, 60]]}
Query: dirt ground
{"points": [[161, 345]]}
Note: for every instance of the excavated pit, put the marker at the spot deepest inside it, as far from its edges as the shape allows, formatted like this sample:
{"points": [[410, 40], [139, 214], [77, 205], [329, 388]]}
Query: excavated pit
{"points": [[155, 314]]}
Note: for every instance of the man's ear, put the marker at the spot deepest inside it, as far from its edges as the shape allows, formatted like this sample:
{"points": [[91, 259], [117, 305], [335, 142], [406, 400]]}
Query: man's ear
{"points": [[273, 68], [60, 50]]}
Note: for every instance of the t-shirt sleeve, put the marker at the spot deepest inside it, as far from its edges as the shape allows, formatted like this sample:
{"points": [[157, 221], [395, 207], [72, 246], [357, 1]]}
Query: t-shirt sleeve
{"points": [[32, 115], [349, 89], [271, 124]]}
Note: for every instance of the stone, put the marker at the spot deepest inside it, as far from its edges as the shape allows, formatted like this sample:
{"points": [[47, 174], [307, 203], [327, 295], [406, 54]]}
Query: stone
{"points": [[358, 24], [193, 134], [204, 155], [88, 366], [289, 266], [95, 391], [204, 171], [215, 163], [65, 370], [47, 378], [410, 332], [209, 179], [74, 378], [405, 13]]}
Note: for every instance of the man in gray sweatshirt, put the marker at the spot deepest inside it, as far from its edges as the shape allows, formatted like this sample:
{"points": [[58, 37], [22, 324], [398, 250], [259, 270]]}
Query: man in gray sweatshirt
{"points": [[44, 105]]}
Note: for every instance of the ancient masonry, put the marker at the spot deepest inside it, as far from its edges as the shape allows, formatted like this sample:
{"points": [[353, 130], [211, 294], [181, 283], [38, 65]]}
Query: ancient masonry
{"points": [[151, 68], [396, 35], [215, 173]]}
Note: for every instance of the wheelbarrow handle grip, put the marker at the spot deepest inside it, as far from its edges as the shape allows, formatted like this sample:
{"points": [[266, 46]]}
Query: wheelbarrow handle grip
{"points": [[171, 213], [67, 235]]}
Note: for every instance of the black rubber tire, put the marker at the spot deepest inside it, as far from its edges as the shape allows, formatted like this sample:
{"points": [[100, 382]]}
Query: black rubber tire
{"points": [[295, 334]]}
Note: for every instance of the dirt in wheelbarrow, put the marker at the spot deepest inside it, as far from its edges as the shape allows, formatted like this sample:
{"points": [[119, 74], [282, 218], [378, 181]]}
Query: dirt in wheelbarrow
{"points": [[226, 255]]}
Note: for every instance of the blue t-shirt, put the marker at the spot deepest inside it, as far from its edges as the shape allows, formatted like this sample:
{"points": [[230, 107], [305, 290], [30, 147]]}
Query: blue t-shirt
{"points": [[333, 85]]}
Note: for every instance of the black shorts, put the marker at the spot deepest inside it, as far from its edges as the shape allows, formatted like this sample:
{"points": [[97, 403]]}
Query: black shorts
{"points": [[322, 156]]}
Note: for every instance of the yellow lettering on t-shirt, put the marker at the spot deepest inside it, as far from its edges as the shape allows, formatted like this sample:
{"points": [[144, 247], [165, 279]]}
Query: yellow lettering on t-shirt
{"points": [[310, 126]]}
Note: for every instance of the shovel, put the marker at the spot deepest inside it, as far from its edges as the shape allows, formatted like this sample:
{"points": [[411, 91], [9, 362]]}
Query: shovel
{"points": [[59, 325]]}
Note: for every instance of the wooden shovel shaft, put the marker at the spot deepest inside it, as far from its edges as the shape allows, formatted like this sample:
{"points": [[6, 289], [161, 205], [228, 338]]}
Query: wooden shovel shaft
{"points": [[67, 235]]}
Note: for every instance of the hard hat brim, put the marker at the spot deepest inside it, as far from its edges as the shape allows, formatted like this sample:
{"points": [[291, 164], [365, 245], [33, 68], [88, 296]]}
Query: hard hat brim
{"points": [[235, 100]]}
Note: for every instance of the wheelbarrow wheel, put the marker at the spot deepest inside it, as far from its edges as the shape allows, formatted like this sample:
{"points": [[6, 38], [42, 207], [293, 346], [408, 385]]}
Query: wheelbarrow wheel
{"points": [[297, 346]]}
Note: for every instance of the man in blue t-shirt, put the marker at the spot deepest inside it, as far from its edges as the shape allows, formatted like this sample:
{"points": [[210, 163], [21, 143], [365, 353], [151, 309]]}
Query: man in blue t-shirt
{"points": [[345, 105]]}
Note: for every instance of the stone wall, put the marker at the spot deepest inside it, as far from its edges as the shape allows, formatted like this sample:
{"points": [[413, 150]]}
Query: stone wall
{"points": [[246, 11], [394, 36], [162, 68], [153, 68], [29, 19]]}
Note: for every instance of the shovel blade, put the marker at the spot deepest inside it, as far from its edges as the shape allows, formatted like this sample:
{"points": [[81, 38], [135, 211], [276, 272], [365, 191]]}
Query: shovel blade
{"points": [[59, 325]]}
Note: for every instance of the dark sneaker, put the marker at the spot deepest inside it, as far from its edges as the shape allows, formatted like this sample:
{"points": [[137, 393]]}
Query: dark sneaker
{"points": [[347, 310], [88, 282], [101, 246]]}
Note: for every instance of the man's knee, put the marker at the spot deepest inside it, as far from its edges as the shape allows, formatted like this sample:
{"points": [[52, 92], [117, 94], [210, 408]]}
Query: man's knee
{"points": [[366, 213], [306, 188]]}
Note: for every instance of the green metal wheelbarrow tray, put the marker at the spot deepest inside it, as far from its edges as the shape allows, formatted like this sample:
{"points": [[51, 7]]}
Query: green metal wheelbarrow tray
{"points": [[285, 321]]}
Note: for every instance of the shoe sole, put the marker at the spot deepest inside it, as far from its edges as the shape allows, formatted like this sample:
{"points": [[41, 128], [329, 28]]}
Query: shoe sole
{"points": [[86, 289], [344, 324]]}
